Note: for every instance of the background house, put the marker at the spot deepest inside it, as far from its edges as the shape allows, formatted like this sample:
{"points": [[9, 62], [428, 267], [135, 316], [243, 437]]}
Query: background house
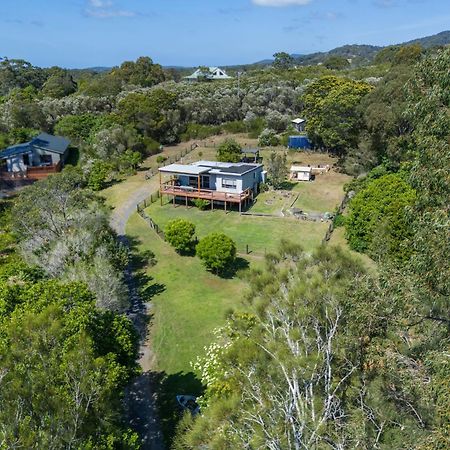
{"points": [[44, 154], [208, 73]]}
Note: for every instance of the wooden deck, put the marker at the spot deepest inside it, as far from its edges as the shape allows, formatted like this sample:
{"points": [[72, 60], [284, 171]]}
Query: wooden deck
{"points": [[32, 173], [205, 194]]}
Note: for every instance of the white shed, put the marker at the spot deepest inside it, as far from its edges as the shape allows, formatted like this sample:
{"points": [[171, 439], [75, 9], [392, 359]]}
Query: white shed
{"points": [[301, 173], [299, 124]]}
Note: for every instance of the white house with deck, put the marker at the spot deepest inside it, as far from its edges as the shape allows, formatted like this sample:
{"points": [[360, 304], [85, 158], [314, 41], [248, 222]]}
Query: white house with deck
{"points": [[218, 182]]}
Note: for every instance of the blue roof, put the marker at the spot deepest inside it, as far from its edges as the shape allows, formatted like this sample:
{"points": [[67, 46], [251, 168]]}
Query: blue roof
{"points": [[18, 149], [55, 144], [47, 142]]}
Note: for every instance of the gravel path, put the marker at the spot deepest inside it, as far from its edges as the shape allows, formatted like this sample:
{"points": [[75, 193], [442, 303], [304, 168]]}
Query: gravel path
{"points": [[140, 397]]}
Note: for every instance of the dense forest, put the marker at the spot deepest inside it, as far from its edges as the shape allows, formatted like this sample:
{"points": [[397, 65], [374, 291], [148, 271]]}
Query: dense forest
{"points": [[327, 354]]}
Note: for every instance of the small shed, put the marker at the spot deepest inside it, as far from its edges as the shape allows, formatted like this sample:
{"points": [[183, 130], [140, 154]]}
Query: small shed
{"points": [[250, 155], [299, 142], [301, 173], [299, 124]]}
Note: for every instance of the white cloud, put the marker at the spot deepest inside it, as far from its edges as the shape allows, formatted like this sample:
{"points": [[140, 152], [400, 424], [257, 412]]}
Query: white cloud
{"points": [[104, 9], [279, 3]]}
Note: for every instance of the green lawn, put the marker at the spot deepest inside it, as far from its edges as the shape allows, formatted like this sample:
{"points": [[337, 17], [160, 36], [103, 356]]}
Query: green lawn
{"points": [[188, 303], [323, 194], [262, 234], [273, 202]]}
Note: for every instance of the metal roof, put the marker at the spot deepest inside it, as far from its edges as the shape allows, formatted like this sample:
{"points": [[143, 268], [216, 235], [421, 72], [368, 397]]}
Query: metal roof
{"points": [[250, 150], [301, 169], [18, 149], [55, 144], [47, 142], [184, 169], [298, 120]]}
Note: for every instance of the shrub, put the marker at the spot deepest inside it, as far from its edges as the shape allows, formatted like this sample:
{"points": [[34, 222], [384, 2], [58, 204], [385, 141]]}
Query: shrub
{"points": [[268, 138], [161, 158], [217, 251], [180, 235], [339, 220], [198, 131], [229, 151], [236, 126], [255, 126], [377, 223], [201, 203], [152, 147], [98, 175]]}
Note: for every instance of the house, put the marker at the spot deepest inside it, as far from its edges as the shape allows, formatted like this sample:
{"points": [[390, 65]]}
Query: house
{"points": [[43, 155], [299, 124], [218, 182], [212, 73], [301, 173]]}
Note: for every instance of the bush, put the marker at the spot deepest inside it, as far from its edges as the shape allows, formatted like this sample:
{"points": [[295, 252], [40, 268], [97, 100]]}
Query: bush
{"points": [[198, 131], [229, 151], [339, 220], [201, 204], [237, 126], [255, 126], [217, 251], [180, 235], [152, 147], [161, 158], [98, 175], [377, 223], [268, 138]]}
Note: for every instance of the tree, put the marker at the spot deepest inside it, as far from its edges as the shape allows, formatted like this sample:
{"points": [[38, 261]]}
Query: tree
{"points": [[154, 114], [217, 251], [377, 222], [180, 234], [277, 168], [143, 72], [283, 376], [98, 174], [229, 151], [59, 84], [282, 60], [335, 62], [64, 364], [330, 107]]}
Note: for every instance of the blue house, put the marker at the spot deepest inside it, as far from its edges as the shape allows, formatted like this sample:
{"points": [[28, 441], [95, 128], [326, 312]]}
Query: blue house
{"points": [[44, 154], [218, 182]]}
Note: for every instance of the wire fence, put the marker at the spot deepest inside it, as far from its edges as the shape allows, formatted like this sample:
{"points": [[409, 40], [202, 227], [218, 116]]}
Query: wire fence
{"points": [[340, 210]]}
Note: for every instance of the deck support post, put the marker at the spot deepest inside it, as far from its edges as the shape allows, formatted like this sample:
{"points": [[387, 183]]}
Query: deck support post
{"points": [[160, 188], [174, 201], [225, 202], [240, 206], [186, 201]]}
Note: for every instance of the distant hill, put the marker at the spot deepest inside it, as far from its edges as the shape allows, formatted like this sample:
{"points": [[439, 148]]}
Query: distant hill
{"points": [[361, 53]]}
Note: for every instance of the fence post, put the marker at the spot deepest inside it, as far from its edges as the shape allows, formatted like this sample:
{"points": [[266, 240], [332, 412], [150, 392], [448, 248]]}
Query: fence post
{"points": [[247, 249]]}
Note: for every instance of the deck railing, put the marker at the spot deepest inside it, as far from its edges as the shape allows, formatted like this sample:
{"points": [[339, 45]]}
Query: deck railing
{"points": [[31, 173]]}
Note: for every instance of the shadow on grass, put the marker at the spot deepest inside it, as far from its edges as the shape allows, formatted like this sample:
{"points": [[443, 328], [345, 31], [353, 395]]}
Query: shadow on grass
{"points": [[239, 265], [287, 186], [168, 387]]}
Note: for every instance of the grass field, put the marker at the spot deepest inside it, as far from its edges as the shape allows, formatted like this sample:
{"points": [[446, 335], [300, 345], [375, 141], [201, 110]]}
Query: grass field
{"points": [[261, 234]]}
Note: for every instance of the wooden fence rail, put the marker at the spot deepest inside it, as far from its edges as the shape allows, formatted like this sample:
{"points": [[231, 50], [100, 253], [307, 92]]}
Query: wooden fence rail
{"points": [[340, 210]]}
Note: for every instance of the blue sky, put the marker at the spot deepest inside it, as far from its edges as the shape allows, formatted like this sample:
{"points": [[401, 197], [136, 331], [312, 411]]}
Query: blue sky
{"points": [[85, 33]]}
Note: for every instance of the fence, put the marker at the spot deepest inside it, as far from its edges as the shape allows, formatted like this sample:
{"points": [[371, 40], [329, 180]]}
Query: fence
{"points": [[152, 224], [340, 210]]}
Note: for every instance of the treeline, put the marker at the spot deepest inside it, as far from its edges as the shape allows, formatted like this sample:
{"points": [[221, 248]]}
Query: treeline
{"points": [[66, 350], [117, 118], [329, 355]]}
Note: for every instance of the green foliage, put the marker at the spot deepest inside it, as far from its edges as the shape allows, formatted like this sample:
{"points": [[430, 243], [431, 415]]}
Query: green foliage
{"points": [[201, 203], [235, 126], [143, 72], [59, 84], [330, 107], [77, 128], [277, 169], [152, 114], [335, 62], [217, 251], [268, 138], [282, 61], [180, 234], [229, 151], [161, 158], [98, 175], [377, 222], [198, 131]]}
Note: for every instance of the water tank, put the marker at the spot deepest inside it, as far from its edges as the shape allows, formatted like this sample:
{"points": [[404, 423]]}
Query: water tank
{"points": [[299, 142]]}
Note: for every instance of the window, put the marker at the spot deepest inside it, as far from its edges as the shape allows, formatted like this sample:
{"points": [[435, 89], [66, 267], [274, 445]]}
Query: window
{"points": [[228, 183], [46, 160]]}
